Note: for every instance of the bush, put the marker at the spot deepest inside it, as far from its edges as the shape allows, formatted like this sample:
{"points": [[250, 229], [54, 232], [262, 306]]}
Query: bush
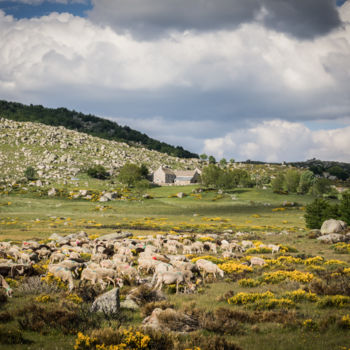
{"points": [[317, 212], [11, 335], [98, 172], [67, 318], [30, 174], [130, 174], [222, 321]]}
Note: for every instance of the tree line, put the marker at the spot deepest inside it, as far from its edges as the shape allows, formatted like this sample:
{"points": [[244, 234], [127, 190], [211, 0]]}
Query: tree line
{"points": [[88, 124]]}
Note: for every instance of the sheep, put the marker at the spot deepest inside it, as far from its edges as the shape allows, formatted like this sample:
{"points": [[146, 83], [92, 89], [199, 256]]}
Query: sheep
{"points": [[63, 273], [172, 277], [208, 267], [275, 248], [6, 286], [257, 261], [57, 257]]}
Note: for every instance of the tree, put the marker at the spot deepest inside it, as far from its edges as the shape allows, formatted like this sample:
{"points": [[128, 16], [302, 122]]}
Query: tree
{"points": [[339, 172], [321, 186], [98, 172], [291, 180], [344, 207], [316, 213], [30, 174], [210, 175], [223, 162], [129, 174], [144, 170], [277, 183], [232, 160], [212, 160], [306, 180], [203, 157]]}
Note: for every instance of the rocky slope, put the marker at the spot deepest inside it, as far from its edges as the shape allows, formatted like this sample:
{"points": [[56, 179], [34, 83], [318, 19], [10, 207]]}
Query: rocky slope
{"points": [[58, 154]]}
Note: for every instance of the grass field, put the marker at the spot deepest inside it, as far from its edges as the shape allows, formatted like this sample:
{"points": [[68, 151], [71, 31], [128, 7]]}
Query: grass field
{"points": [[28, 214]]}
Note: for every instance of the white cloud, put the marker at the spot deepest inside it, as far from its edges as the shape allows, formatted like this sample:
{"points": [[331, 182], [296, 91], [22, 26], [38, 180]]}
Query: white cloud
{"points": [[201, 83], [277, 140]]}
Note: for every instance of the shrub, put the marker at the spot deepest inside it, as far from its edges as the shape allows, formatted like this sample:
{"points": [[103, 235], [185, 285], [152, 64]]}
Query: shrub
{"points": [[316, 213], [98, 172], [344, 322], [11, 335], [331, 283], [310, 325], [35, 286], [248, 282], [334, 301], [64, 317], [30, 174], [222, 321]]}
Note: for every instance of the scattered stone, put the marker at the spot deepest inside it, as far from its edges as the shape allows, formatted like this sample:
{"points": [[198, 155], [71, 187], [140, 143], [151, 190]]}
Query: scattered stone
{"points": [[52, 192], [107, 303], [332, 238], [129, 304], [333, 226]]}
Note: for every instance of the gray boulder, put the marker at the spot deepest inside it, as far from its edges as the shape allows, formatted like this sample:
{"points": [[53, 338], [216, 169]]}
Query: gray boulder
{"points": [[107, 303], [129, 304], [51, 192], [333, 226], [113, 236], [332, 238]]}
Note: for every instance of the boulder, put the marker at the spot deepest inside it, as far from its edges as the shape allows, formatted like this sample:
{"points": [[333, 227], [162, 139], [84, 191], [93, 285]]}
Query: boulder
{"points": [[332, 238], [107, 303], [51, 192], [114, 236], [333, 226], [129, 304], [180, 195], [170, 320], [55, 237]]}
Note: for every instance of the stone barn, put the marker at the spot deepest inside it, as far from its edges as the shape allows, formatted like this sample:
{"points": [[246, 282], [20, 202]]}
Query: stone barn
{"points": [[164, 175]]}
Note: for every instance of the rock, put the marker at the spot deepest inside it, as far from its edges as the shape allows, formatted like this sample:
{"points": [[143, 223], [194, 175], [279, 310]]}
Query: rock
{"points": [[180, 195], [104, 199], [170, 320], [55, 237], [333, 226], [129, 304], [113, 236], [332, 238], [107, 303], [51, 192]]}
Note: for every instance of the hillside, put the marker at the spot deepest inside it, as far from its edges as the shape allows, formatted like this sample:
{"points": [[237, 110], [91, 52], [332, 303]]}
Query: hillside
{"points": [[88, 124], [59, 154]]}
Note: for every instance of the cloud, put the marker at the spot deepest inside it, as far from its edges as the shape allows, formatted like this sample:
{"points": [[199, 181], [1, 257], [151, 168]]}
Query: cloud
{"points": [[278, 140], [199, 85], [305, 19]]}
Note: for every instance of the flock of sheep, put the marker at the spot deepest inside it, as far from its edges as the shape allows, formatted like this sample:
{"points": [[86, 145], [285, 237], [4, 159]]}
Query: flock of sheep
{"points": [[159, 260]]}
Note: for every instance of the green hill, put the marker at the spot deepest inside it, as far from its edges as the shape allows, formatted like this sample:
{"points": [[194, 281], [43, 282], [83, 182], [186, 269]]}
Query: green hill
{"points": [[88, 124]]}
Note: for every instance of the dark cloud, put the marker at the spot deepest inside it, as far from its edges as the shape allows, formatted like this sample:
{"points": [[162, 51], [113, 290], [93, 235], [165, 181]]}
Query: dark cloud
{"points": [[303, 19]]}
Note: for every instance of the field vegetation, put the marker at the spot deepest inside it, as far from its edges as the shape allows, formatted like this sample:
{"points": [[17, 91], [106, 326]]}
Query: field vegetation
{"points": [[300, 299]]}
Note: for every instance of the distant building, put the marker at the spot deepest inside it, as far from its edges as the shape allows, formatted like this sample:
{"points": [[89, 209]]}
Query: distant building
{"points": [[164, 175]]}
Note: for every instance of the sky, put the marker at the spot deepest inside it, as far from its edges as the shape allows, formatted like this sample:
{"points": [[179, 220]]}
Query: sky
{"points": [[264, 80]]}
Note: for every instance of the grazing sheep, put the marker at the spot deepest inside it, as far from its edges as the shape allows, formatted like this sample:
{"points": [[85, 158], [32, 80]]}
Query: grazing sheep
{"points": [[6, 286], [257, 261], [63, 273], [173, 277], [208, 267]]}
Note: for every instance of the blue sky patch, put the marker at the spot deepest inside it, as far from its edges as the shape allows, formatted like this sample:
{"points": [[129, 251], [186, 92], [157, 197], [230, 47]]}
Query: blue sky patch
{"points": [[20, 10]]}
